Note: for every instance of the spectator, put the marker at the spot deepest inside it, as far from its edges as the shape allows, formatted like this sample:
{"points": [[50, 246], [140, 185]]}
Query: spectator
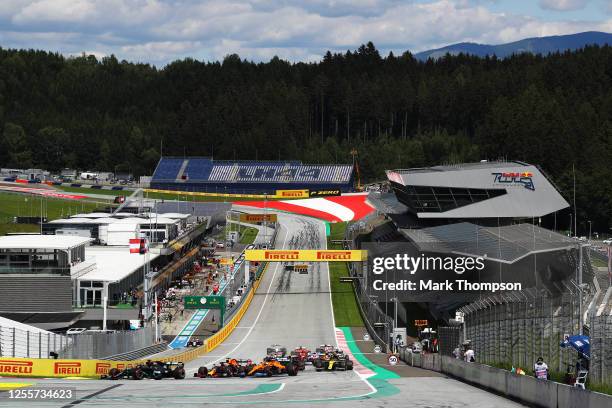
{"points": [[469, 355], [540, 369], [457, 352]]}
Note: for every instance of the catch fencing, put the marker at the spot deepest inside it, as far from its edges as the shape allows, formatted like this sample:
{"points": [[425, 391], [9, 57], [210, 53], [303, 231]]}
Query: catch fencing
{"points": [[15, 342], [515, 329], [378, 323]]}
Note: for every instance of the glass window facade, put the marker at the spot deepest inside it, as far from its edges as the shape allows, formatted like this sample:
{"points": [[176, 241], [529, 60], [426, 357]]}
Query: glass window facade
{"points": [[440, 199]]}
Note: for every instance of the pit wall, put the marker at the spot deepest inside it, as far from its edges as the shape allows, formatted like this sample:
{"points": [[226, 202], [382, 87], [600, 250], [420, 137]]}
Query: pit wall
{"points": [[527, 389]]}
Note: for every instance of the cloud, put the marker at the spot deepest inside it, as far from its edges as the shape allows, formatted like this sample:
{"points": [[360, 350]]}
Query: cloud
{"points": [[159, 31], [563, 5]]}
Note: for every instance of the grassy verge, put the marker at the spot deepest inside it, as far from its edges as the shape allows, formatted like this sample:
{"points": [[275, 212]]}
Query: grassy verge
{"points": [[5, 228], [158, 196], [599, 263], [248, 235], [346, 310], [25, 205]]}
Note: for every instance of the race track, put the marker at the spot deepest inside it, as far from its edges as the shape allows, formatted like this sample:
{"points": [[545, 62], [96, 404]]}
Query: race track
{"points": [[290, 309]]}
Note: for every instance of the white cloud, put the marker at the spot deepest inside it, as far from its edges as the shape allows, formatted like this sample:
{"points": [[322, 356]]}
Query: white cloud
{"points": [[159, 31], [563, 5]]}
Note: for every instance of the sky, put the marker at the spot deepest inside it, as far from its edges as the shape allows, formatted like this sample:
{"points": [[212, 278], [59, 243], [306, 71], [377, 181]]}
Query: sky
{"points": [[160, 31]]}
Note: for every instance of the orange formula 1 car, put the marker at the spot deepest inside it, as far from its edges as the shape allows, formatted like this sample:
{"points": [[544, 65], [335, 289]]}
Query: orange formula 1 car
{"points": [[274, 366]]}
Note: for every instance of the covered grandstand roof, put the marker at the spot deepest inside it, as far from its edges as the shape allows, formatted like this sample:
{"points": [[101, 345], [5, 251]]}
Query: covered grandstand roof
{"points": [[113, 263], [207, 170], [63, 242], [505, 244], [463, 166]]}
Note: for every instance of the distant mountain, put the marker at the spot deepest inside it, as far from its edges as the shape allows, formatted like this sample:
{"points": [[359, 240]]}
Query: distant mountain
{"points": [[539, 45]]}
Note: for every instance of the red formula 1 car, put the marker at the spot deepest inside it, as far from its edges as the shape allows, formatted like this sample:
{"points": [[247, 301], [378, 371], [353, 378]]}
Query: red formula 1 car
{"points": [[300, 356], [230, 368]]}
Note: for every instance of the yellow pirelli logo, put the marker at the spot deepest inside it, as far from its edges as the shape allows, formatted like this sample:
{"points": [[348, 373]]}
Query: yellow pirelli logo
{"points": [[304, 255], [292, 193]]}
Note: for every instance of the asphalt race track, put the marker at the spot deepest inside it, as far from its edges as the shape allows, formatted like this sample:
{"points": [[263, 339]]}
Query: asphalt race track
{"points": [[289, 309]]}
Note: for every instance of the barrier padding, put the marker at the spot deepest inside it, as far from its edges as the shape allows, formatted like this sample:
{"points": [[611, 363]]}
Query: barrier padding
{"points": [[46, 367]]}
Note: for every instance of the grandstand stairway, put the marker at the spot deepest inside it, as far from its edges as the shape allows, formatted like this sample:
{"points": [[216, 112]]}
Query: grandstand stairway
{"points": [[179, 175]]}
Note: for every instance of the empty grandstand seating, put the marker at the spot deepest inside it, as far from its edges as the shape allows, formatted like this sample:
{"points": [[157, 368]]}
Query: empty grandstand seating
{"points": [[205, 174], [167, 169]]}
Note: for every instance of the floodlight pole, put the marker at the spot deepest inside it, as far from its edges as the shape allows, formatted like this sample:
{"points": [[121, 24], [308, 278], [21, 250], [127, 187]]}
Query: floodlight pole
{"points": [[580, 316]]}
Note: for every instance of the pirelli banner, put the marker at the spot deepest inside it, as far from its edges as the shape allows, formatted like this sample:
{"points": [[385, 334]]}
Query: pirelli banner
{"points": [[288, 194], [46, 367], [305, 255], [251, 218]]}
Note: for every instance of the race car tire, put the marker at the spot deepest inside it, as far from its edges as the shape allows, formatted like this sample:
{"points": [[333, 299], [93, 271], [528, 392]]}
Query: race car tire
{"points": [[137, 374], [241, 372], [349, 365], [179, 373], [113, 373], [268, 372], [292, 370], [318, 364], [202, 372]]}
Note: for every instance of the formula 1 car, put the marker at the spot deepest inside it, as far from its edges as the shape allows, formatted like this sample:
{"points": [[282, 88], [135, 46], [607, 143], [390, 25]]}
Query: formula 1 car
{"points": [[274, 366], [301, 355], [335, 360], [230, 368], [160, 369], [196, 342], [276, 351], [133, 373], [325, 348], [156, 370]]}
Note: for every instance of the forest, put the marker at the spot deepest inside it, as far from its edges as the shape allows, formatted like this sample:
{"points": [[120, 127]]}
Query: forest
{"points": [[394, 111]]}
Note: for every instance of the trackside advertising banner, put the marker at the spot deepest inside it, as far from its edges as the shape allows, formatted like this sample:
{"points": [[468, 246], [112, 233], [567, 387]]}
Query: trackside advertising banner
{"points": [[431, 271], [304, 255], [258, 218], [45, 367], [325, 193], [292, 194]]}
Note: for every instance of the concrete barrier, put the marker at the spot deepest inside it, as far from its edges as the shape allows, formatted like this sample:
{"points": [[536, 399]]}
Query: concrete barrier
{"points": [[527, 389]]}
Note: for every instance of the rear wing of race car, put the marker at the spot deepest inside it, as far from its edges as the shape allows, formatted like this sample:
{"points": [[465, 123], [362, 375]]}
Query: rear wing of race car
{"points": [[238, 360]]}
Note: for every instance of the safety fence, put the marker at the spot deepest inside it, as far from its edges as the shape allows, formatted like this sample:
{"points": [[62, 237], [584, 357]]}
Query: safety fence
{"points": [[378, 323], [15, 342], [517, 328]]}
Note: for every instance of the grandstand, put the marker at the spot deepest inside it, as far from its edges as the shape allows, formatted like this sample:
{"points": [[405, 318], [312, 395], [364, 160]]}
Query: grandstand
{"points": [[244, 177]]}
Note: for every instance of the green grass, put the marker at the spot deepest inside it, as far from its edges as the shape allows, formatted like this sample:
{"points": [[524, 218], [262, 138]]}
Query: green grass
{"points": [[158, 196], [599, 263], [15, 205], [5, 228], [346, 310], [113, 193], [248, 235]]}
